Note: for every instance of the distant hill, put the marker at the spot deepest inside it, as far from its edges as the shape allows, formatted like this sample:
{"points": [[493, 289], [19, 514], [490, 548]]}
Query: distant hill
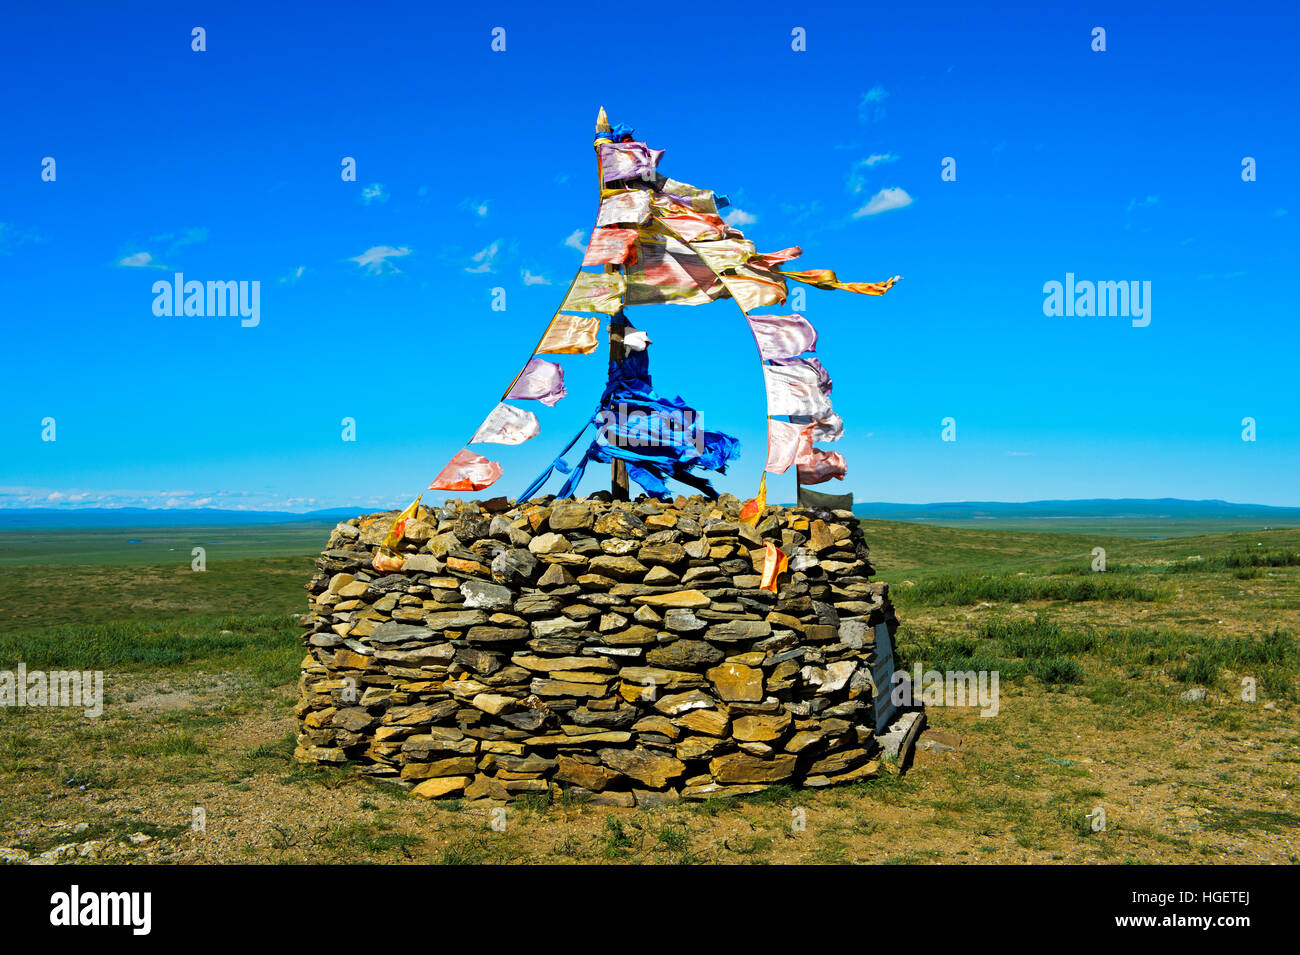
{"points": [[51, 517], [1160, 517]]}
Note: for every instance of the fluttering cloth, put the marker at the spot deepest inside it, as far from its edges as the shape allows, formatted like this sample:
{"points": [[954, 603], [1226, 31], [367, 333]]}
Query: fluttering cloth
{"points": [[467, 471], [669, 272], [826, 279], [631, 160], [611, 245], [753, 287], [787, 444], [570, 335], [775, 563], [506, 424], [782, 336], [595, 292], [794, 390], [830, 428], [540, 380], [625, 208], [823, 466], [813, 365]]}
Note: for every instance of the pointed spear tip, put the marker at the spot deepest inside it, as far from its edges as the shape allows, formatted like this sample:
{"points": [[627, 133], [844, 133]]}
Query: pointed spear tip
{"points": [[602, 122]]}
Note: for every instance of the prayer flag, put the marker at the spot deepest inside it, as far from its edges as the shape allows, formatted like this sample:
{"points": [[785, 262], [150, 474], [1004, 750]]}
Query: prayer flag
{"points": [[823, 466], [394, 535], [826, 279], [787, 444], [570, 335], [506, 424], [782, 336], [467, 471], [753, 509], [628, 160], [625, 207], [595, 292], [612, 245], [540, 380], [794, 390], [775, 563]]}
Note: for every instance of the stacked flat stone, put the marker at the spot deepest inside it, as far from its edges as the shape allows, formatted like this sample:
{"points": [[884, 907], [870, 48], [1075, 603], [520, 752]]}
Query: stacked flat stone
{"points": [[621, 650]]}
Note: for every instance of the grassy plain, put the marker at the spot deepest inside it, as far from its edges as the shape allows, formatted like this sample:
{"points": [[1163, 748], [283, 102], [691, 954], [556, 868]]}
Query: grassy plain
{"points": [[200, 673]]}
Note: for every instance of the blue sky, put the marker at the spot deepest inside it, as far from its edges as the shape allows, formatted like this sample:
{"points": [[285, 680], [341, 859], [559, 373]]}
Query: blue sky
{"points": [[476, 166]]}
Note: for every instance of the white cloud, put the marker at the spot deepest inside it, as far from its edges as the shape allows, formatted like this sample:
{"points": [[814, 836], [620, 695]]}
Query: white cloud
{"points": [[374, 192], [884, 201], [878, 158], [485, 259], [738, 218], [293, 277], [531, 279], [477, 206], [375, 259], [857, 181], [140, 260], [577, 240]]}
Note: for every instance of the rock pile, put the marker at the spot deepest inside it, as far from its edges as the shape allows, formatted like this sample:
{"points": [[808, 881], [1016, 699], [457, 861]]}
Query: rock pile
{"points": [[622, 650]]}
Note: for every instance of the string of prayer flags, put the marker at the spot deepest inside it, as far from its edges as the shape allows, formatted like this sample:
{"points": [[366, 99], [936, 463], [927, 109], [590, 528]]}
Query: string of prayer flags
{"points": [[540, 380], [782, 336], [752, 510], [823, 466], [467, 471], [595, 292], [826, 279], [506, 424], [570, 335], [775, 563]]}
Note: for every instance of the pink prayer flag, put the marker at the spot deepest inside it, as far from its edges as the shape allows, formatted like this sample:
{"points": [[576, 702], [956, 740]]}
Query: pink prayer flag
{"points": [[787, 444], [770, 260], [611, 246], [540, 380], [823, 466], [782, 336], [467, 471], [506, 424]]}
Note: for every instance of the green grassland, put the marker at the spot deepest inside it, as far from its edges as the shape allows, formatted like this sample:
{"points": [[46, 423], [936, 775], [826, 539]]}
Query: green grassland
{"points": [[201, 668]]}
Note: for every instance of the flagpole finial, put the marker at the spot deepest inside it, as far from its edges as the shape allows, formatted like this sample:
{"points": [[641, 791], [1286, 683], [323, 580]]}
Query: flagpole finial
{"points": [[602, 122]]}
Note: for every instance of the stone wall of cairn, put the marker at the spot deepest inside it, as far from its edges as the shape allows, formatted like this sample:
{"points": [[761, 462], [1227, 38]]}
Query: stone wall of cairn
{"points": [[621, 650]]}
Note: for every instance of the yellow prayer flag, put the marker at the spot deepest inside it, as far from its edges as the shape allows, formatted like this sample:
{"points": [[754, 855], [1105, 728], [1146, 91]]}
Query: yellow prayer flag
{"points": [[754, 507], [394, 535]]}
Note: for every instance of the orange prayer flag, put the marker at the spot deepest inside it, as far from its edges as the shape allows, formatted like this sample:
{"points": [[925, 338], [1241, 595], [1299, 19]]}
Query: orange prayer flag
{"points": [[775, 563], [825, 278], [754, 507], [387, 563], [394, 535], [467, 471]]}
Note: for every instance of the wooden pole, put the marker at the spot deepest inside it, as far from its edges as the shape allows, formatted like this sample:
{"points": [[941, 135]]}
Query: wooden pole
{"points": [[618, 481]]}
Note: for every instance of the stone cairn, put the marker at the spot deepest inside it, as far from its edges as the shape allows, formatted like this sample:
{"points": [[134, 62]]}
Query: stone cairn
{"points": [[620, 651]]}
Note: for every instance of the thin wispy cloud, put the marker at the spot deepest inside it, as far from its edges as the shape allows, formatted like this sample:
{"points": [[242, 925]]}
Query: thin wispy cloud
{"points": [[577, 240], [375, 192], [484, 260], [1147, 203], [478, 207], [857, 180], [293, 277], [531, 279], [871, 106], [884, 201], [375, 259]]}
